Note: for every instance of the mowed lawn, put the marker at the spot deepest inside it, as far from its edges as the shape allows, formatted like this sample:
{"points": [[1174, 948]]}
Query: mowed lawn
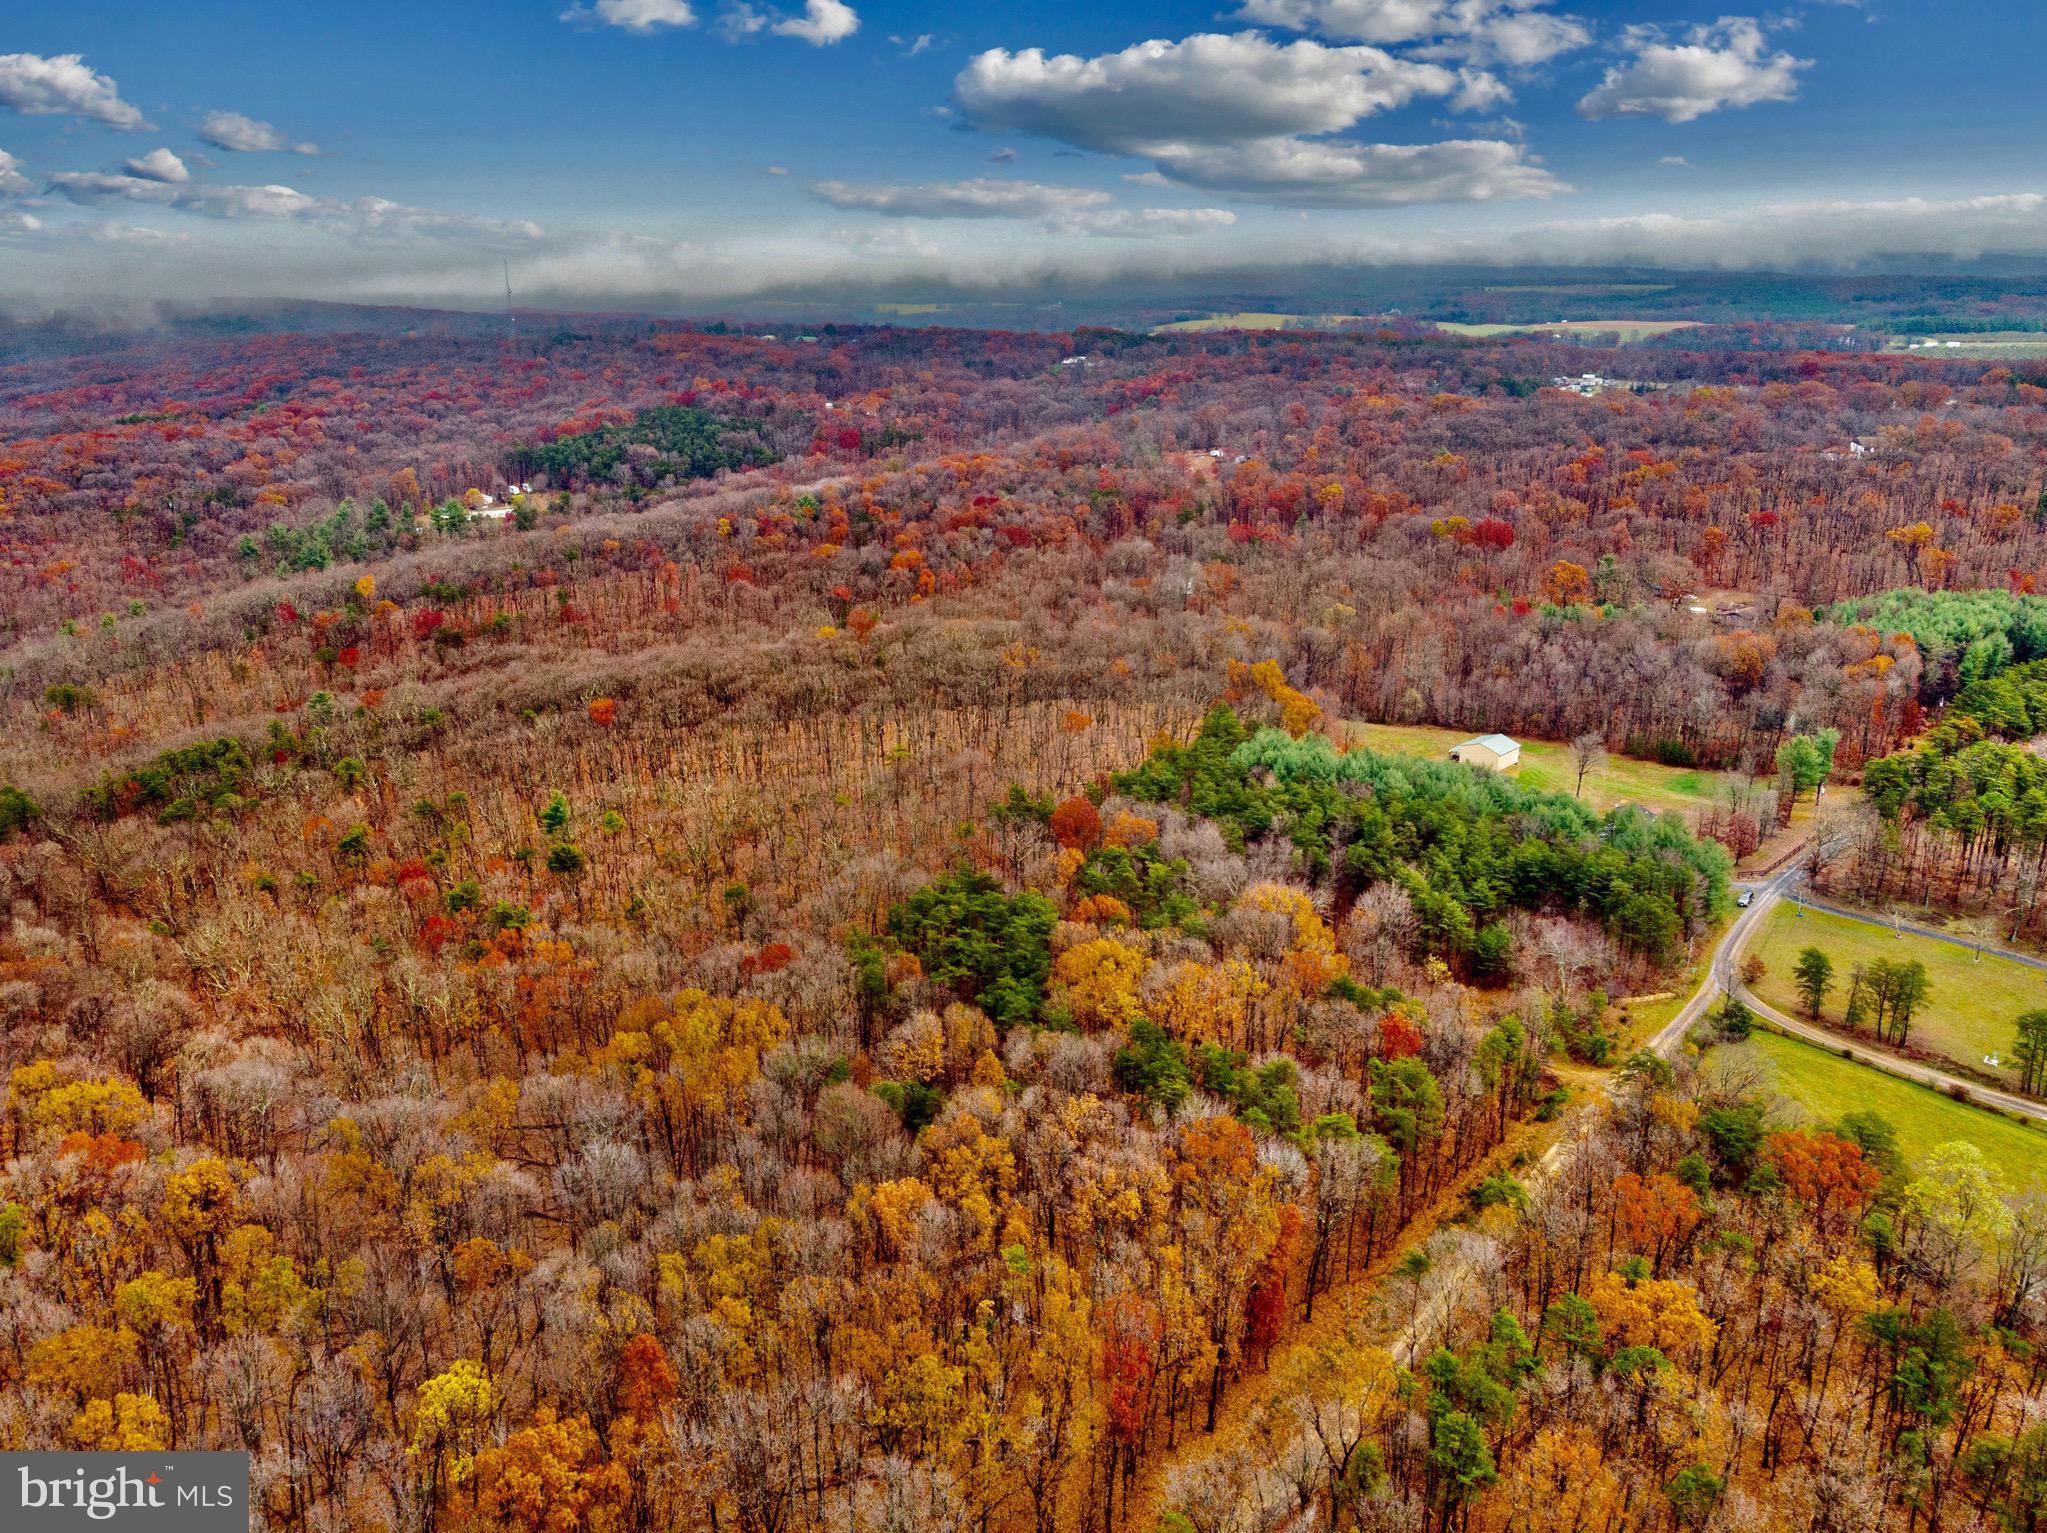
{"points": [[1827, 1088], [1972, 1004], [1622, 780]]}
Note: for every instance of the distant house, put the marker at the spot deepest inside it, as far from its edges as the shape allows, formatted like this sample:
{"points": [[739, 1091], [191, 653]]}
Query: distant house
{"points": [[1496, 753], [1586, 384]]}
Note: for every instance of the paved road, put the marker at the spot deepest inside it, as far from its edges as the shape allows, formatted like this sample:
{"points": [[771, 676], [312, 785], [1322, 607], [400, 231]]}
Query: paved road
{"points": [[1720, 972]]}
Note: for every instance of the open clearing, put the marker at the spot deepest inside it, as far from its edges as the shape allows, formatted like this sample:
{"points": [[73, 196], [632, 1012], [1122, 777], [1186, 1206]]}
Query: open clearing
{"points": [[1622, 780], [1626, 329], [1972, 1005], [1258, 320], [1827, 1087], [1974, 345]]}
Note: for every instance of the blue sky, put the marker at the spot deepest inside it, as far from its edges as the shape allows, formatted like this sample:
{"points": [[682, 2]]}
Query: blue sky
{"points": [[679, 150]]}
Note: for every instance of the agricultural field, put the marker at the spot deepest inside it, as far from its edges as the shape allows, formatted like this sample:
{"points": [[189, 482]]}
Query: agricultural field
{"points": [[1826, 1087], [1258, 320], [1625, 330], [1989, 345], [1970, 1008]]}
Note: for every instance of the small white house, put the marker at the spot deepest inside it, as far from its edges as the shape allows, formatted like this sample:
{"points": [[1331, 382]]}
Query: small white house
{"points": [[1496, 753]]}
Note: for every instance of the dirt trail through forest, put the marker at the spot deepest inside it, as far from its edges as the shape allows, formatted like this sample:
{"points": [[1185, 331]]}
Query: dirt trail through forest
{"points": [[1352, 1317]]}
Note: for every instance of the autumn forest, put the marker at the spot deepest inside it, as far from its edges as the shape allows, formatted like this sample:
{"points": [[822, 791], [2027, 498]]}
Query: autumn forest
{"points": [[619, 925]]}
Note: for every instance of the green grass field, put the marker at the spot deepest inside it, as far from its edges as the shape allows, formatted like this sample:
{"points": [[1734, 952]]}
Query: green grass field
{"points": [[1626, 329], [1969, 1012], [1826, 1087], [1622, 780]]}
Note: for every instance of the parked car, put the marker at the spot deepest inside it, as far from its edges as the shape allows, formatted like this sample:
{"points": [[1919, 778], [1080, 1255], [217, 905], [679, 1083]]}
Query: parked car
{"points": [[1745, 898]]}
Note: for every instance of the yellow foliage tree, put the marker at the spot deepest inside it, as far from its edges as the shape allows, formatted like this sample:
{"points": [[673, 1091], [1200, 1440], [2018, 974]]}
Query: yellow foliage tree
{"points": [[549, 1477], [449, 1419], [1298, 713], [1651, 1312], [1313, 962], [125, 1424], [54, 1107], [1206, 1003], [85, 1362], [1101, 980]]}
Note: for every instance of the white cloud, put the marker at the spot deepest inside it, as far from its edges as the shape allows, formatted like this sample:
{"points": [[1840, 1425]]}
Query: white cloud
{"points": [[1365, 21], [74, 259], [1675, 160], [89, 187], [19, 223], [1145, 223], [245, 135], [1336, 173], [1721, 64], [1479, 90], [1523, 39], [1146, 178], [1210, 88], [12, 182], [822, 23], [778, 170], [984, 197], [1248, 116], [738, 20], [158, 165], [1828, 234], [641, 16], [1515, 33], [43, 87], [1062, 209], [361, 218]]}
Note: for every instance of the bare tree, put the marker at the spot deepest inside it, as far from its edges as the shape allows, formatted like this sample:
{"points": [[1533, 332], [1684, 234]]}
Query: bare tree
{"points": [[1588, 754]]}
